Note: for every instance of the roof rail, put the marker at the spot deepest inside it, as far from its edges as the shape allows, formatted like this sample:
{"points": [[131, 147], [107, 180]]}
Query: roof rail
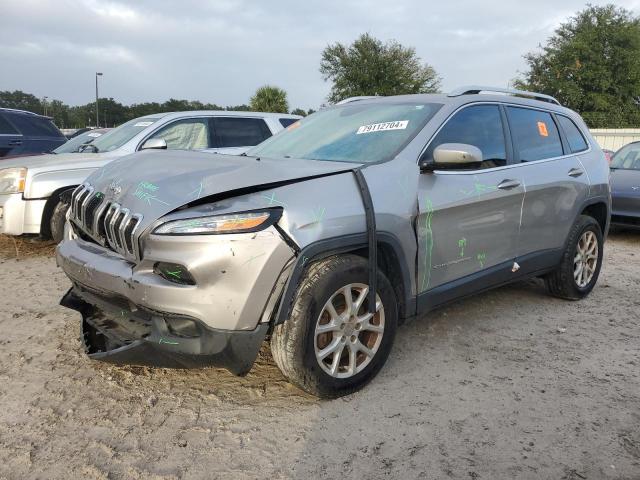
{"points": [[355, 99], [473, 89]]}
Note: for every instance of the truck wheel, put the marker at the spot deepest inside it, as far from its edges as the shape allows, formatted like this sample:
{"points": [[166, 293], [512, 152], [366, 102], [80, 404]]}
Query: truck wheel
{"points": [[59, 217], [578, 272], [331, 345]]}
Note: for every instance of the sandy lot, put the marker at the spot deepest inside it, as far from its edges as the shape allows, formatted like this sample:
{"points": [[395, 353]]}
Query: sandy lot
{"points": [[508, 384]]}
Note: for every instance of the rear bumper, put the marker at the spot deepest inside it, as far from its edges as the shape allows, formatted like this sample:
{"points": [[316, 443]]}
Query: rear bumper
{"points": [[115, 333], [18, 216]]}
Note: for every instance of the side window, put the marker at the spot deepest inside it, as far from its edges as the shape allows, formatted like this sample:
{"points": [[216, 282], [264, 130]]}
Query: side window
{"points": [[285, 122], [535, 134], [188, 134], [577, 143], [6, 128], [240, 132], [480, 126]]}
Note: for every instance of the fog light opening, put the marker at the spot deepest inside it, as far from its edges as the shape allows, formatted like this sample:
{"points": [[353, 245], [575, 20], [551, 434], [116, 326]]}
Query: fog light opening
{"points": [[174, 273], [182, 327]]}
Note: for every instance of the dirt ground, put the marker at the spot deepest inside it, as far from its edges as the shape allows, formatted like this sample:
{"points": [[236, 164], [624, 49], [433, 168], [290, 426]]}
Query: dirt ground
{"points": [[509, 384]]}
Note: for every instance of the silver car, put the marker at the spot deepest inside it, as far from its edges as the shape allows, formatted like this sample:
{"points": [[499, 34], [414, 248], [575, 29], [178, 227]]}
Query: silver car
{"points": [[327, 236], [35, 190]]}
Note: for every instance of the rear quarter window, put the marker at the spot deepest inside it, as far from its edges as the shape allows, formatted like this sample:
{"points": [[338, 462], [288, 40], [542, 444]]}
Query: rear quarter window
{"points": [[35, 126], [577, 143], [6, 128], [285, 122], [535, 134]]}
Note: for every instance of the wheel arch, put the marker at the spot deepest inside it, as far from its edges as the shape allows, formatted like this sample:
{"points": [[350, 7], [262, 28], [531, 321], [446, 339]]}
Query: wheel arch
{"points": [[598, 209], [45, 227], [391, 261]]}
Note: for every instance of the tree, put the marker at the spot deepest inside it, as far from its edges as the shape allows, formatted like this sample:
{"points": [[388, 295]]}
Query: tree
{"points": [[269, 99], [21, 101], [592, 65], [370, 67], [299, 111]]}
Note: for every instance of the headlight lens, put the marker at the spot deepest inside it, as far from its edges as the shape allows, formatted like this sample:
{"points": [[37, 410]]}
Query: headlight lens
{"points": [[218, 224], [12, 180]]}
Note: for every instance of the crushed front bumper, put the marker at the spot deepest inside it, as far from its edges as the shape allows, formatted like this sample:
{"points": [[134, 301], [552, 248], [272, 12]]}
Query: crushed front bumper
{"points": [[112, 332]]}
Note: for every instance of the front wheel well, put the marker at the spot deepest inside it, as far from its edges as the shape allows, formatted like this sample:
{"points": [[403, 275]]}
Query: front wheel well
{"points": [[52, 201], [599, 212]]}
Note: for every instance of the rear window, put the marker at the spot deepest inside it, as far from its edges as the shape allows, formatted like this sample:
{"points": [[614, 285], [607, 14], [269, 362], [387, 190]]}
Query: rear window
{"points": [[240, 132], [285, 122], [535, 134], [34, 126], [577, 143], [6, 128]]}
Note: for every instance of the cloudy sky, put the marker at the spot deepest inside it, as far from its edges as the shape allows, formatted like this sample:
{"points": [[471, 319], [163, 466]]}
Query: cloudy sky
{"points": [[220, 51]]}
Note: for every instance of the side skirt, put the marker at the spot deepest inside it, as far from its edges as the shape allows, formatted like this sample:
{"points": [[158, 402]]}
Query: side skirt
{"points": [[531, 265]]}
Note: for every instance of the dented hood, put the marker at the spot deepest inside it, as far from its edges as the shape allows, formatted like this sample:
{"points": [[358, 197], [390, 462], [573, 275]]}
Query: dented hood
{"points": [[154, 183]]}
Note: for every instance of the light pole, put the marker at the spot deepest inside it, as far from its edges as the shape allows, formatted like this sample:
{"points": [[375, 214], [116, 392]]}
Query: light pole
{"points": [[98, 74], [44, 101]]}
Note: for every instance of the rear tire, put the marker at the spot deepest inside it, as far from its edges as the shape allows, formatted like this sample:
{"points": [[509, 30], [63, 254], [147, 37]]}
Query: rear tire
{"points": [[322, 321], [578, 271]]}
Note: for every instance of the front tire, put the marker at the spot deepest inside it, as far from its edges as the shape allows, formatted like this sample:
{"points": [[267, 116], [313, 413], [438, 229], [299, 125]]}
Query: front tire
{"points": [[578, 272], [58, 219], [332, 345]]}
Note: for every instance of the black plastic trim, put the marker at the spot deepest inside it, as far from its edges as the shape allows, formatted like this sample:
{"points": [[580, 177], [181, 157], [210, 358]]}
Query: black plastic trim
{"points": [[370, 217], [337, 245], [235, 350], [531, 265]]}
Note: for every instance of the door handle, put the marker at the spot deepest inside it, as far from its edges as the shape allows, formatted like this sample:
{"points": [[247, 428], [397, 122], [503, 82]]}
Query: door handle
{"points": [[508, 184], [15, 142], [575, 172]]}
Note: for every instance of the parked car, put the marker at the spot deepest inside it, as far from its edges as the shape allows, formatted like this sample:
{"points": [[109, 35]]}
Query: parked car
{"points": [[329, 235], [35, 191], [78, 142], [25, 133], [625, 187]]}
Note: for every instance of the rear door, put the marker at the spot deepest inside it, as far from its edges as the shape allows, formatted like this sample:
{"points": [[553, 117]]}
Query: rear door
{"points": [[556, 182], [10, 138], [468, 219], [235, 135]]}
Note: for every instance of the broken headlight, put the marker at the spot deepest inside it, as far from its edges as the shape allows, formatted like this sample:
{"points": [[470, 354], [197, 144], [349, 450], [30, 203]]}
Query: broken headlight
{"points": [[241, 222]]}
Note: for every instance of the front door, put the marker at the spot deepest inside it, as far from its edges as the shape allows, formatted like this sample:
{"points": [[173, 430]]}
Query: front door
{"points": [[468, 220]]}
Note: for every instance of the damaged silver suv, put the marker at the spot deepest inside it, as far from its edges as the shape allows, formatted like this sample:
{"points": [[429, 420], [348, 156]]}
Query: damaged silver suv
{"points": [[327, 236]]}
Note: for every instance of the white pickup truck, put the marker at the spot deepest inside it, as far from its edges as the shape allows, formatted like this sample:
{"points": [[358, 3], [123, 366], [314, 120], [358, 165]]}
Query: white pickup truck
{"points": [[35, 190]]}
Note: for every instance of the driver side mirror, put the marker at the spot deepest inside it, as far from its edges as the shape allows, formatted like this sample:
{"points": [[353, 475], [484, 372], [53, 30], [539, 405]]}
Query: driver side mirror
{"points": [[452, 156], [154, 144]]}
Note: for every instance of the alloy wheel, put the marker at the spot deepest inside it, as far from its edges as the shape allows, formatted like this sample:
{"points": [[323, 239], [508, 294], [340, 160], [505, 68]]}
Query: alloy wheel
{"points": [[347, 335], [586, 259]]}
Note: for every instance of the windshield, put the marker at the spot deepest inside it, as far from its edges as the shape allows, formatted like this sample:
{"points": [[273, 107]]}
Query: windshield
{"points": [[121, 135], [356, 132], [73, 145], [628, 157]]}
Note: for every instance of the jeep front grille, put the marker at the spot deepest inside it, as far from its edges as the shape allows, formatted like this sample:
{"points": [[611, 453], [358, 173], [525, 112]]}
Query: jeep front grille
{"points": [[107, 223]]}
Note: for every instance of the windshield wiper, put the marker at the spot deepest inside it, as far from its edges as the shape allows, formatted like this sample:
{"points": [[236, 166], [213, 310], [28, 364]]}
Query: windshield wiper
{"points": [[84, 146]]}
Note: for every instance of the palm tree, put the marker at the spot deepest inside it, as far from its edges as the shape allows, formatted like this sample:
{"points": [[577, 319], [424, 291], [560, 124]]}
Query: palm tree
{"points": [[269, 99]]}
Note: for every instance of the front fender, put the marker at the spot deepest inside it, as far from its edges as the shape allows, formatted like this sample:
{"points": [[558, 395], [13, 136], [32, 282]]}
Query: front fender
{"points": [[44, 184]]}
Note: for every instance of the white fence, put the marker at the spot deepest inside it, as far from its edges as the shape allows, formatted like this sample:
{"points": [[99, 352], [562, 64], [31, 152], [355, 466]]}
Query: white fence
{"points": [[613, 139]]}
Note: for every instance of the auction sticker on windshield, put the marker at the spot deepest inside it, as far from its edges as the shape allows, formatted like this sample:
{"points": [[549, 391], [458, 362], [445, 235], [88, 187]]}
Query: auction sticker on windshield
{"points": [[379, 127]]}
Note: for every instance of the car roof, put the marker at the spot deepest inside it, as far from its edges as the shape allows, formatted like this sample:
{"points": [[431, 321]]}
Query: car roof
{"points": [[458, 99], [24, 112], [224, 113]]}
